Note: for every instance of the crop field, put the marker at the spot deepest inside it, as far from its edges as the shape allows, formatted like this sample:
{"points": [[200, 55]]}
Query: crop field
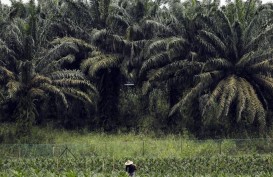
{"points": [[254, 165], [101, 155]]}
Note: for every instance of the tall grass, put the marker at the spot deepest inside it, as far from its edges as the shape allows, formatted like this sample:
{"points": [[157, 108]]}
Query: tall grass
{"points": [[51, 142]]}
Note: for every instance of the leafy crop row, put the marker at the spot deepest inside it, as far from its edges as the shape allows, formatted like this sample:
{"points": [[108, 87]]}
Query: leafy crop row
{"points": [[256, 165]]}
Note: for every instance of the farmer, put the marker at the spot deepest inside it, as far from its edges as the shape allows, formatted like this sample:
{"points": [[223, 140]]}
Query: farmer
{"points": [[130, 168]]}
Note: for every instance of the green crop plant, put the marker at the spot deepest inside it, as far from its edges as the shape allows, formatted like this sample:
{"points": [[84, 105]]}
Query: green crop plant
{"points": [[221, 165]]}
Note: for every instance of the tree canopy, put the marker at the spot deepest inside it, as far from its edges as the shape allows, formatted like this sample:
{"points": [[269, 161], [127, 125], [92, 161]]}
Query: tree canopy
{"points": [[142, 65]]}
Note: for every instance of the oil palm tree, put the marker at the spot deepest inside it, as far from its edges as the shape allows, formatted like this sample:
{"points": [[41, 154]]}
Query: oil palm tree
{"points": [[236, 76], [183, 20], [118, 38], [166, 57], [31, 72]]}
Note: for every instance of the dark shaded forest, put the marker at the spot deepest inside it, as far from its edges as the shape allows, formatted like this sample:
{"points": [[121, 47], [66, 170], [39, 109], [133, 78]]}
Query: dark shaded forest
{"points": [[139, 65]]}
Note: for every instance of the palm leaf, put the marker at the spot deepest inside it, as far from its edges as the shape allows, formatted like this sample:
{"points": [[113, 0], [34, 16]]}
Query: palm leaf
{"points": [[214, 63], [78, 95], [108, 62], [258, 39], [155, 61], [81, 84], [62, 74], [56, 91], [34, 92], [157, 26], [189, 96], [213, 99], [232, 90], [80, 43], [249, 112], [57, 52], [241, 102], [40, 79], [207, 76], [57, 64], [7, 73], [212, 38], [13, 87]]}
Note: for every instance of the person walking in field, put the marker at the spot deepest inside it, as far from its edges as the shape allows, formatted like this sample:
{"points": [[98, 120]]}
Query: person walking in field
{"points": [[130, 168]]}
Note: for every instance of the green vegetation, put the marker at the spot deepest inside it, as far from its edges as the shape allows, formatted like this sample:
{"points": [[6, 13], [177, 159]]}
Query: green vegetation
{"points": [[197, 167], [141, 65], [102, 154], [47, 142], [86, 85]]}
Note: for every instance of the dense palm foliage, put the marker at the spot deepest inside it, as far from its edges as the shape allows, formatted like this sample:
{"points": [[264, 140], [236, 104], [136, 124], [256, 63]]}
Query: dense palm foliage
{"points": [[194, 65], [236, 75], [31, 73]]}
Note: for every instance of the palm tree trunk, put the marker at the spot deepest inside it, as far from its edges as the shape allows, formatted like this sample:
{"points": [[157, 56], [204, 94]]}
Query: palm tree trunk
{"points": [[108, 104]]}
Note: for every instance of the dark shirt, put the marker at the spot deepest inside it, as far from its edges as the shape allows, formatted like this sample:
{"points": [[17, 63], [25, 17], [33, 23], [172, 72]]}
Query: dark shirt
{"points": [[130, 168]]}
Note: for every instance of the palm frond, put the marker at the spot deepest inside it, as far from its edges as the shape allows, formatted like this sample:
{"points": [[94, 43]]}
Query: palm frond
{"points": [[225, 21], [209, 37], [249, 112], [146, 87], [56, 91], [78, 95], [213, 99], [67, 74], [57, 64], [89, 62], [262, 67], [217, 63], [155, 61], [232, 90], [254, 106], [156, 46], [57, 52], [34, 92], [241, 102], [5, 49], [189, 96], [260, 112], [207, 76], [206, 44], [134, 32], [257, 40], [247, 31], [80, 43], [256, 57], [157, 27], [117, 21], [245, 59], [265, 82], [81, 84], [104, 61], [173, 69], [7, 73], [176, 42], [119, 43], [40, 79], [98, 35], [13, 87], [116, 9]]}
